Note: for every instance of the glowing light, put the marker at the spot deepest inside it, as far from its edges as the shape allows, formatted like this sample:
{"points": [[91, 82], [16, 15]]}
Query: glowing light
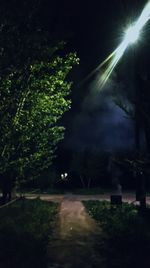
{"points": [[131, 36], [64, 176], [115, 59]]}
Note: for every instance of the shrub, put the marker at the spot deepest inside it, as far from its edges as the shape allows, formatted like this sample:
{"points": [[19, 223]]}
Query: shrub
{"points": [[25, 230], [125, 234]]}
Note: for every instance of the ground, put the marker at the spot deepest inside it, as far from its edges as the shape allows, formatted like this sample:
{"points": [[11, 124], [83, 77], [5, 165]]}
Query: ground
{"points": [[73, 241], [73, 244]]}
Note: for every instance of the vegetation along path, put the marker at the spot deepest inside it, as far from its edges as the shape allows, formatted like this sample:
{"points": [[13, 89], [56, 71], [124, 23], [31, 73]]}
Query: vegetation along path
{"points": [[73, 243]]}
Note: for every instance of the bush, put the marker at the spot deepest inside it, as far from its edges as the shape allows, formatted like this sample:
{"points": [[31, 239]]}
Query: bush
{"points": [[125, 234], [25, 230]]}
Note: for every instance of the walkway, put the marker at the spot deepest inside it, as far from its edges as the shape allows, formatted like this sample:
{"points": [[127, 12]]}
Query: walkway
{"points": [[73, 243]]}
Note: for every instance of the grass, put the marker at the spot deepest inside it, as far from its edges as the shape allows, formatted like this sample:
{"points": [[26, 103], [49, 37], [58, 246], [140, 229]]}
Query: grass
{"points": [[25, 229], [125, 238]]}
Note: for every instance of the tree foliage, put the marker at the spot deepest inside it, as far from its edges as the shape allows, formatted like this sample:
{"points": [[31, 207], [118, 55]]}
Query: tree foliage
{"points": [[34, 95]]}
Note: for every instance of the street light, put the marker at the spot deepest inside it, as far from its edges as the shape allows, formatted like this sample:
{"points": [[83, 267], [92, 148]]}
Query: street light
{"points": [[131, 36]]}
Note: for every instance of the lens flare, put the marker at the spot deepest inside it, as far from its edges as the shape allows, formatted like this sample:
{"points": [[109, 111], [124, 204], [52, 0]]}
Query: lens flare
{"points": [[98, 68], [115, 59], [131, 36]]}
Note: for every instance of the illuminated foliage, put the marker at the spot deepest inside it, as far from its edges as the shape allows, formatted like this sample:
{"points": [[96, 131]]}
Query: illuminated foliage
{"points": [[34, 95], [32, 101]]}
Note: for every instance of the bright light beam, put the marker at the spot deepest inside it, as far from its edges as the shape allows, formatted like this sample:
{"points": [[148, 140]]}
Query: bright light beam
{"points": [[131, 36], [118, 54], [98, 68]]}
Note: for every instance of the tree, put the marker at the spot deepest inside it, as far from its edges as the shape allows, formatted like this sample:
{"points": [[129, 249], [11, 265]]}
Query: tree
{"points": [[34, 95], [89, 168]]}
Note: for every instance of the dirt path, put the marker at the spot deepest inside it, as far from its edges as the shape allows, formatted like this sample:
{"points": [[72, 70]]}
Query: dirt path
{"points": [[74, 220], [73, 242]]}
